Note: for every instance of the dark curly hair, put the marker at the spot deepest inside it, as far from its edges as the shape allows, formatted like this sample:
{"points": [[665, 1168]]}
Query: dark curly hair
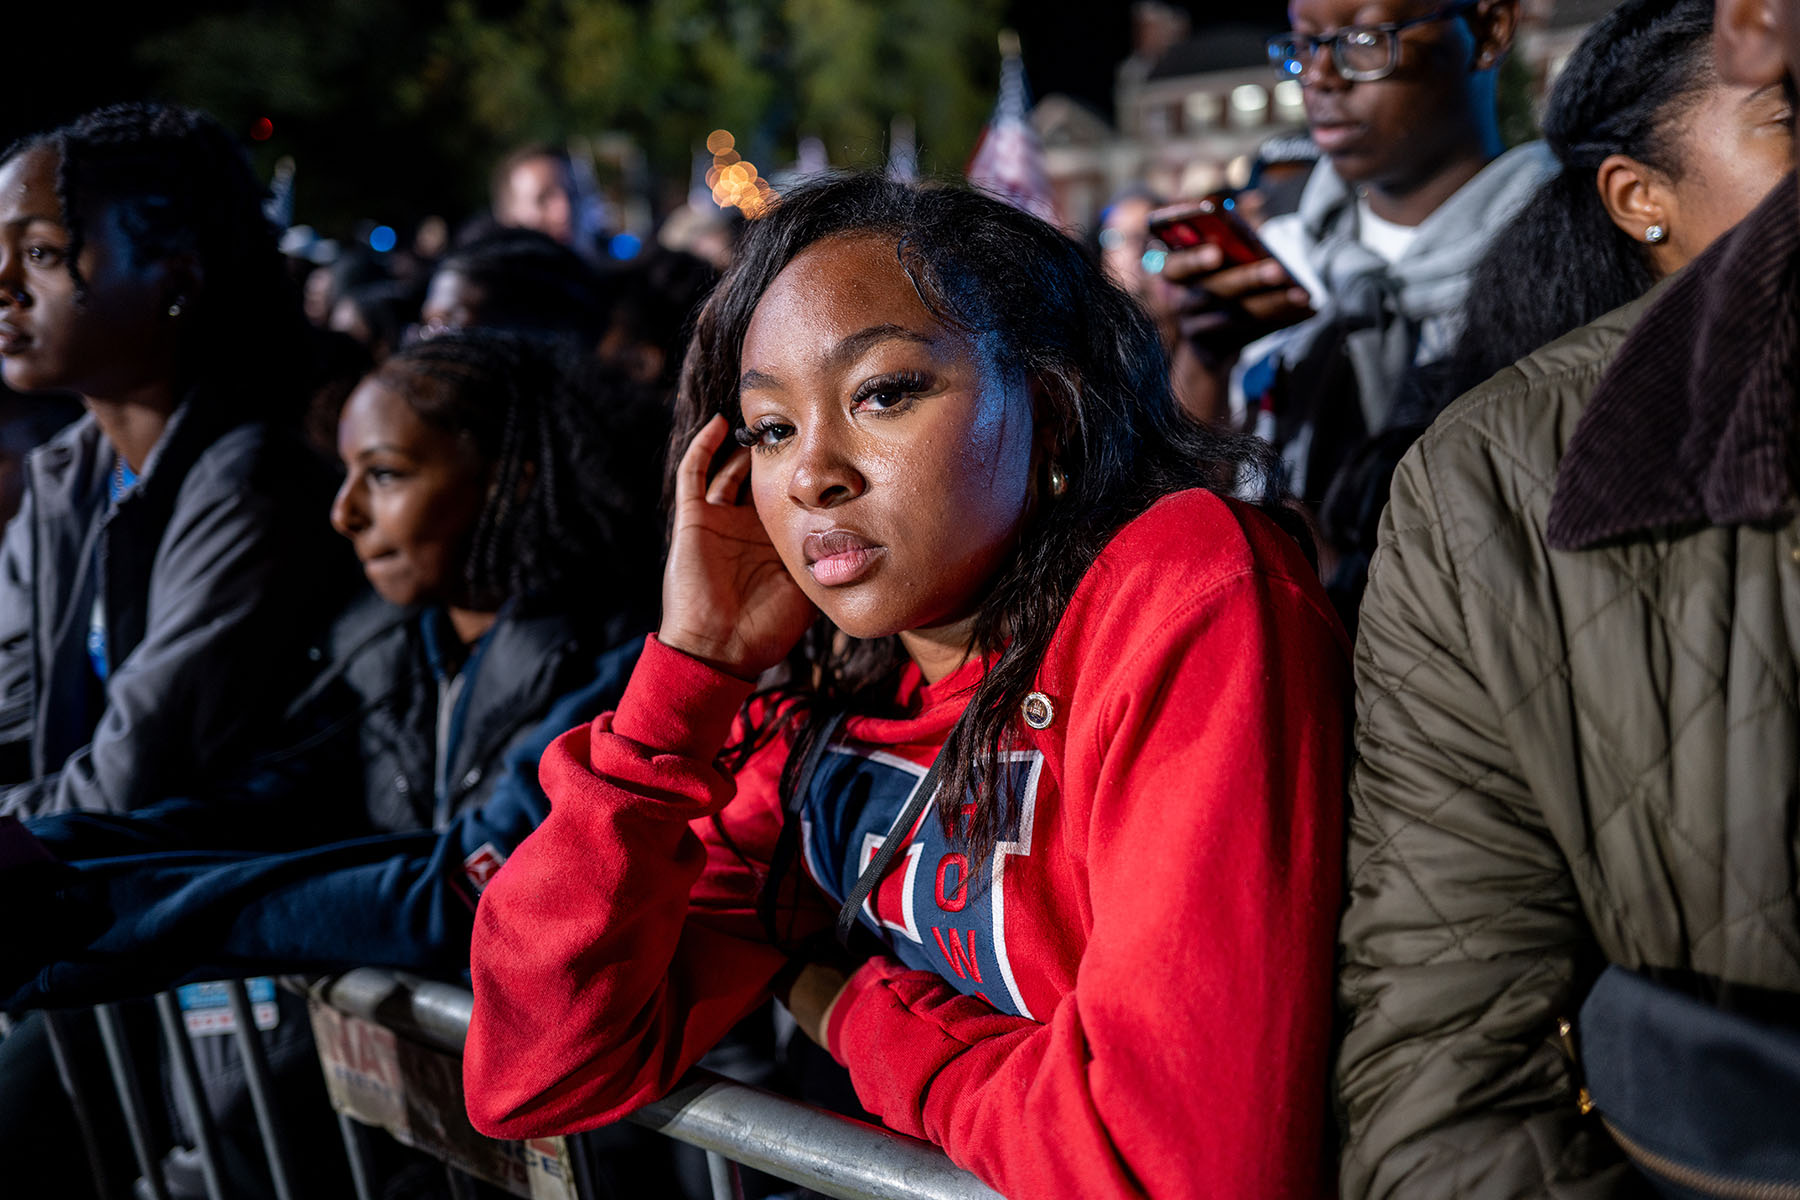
{"points": [[1563, 262], [656, 297], [572, 506], [531, 283], [180, 185], [1019, 285]]}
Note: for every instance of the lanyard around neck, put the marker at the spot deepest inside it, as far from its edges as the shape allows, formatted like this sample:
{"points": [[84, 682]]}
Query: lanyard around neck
{"points": [[890, 846], [787, 842]]}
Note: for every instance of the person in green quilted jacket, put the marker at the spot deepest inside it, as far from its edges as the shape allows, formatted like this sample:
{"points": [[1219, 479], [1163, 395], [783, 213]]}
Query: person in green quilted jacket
{"points": [[1578, 703]]}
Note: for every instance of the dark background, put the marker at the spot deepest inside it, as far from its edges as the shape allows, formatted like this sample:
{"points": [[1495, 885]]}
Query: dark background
{"points": [[68, 56]]}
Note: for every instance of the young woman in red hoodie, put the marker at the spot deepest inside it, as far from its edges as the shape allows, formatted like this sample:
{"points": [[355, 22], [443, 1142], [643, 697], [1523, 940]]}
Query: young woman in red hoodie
{"points": [[999, 567]]}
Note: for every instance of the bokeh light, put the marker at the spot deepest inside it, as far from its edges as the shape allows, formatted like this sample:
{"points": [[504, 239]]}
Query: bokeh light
{"points": [[734, 180]]}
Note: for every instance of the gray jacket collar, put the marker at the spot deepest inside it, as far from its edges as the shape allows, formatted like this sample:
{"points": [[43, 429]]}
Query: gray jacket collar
{"points": [[1433, 274]]}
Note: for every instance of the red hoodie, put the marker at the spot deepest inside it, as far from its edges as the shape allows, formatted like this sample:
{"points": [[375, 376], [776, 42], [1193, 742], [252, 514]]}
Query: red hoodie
{"points": [[1132, 997]]}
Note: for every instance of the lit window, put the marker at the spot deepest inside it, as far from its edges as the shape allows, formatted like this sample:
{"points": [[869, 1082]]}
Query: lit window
{"points": [[1249, 104], [1202, 109], [1289, 104]]}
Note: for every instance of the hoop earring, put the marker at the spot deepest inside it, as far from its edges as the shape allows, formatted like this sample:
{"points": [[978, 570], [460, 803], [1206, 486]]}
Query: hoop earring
{"points": [[1656, 234], [1059, 479]]}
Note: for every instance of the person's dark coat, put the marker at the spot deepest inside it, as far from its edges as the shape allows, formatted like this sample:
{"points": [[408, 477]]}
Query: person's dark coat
{"points": [[405, 779], [366, 842], [214, 570]]}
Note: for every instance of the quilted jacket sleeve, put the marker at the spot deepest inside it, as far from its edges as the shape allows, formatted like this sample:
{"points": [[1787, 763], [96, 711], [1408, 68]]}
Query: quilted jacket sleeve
{"points": [[1464, 936]]}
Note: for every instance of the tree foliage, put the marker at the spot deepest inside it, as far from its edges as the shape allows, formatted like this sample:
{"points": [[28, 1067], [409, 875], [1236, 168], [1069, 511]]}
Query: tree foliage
{"points": [[423, 94], [774, 70]]}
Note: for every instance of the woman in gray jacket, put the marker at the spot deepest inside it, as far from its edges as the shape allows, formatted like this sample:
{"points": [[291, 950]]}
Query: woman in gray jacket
{"points": [[158, 584]]}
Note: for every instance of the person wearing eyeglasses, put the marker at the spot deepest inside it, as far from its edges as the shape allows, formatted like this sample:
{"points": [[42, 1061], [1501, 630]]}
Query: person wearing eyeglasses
{"points": [[1321, 343]]}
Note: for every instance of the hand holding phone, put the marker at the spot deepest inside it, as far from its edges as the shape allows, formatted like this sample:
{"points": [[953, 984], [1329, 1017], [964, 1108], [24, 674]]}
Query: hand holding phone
{"points": [[1235, 289], [1210, 221]]}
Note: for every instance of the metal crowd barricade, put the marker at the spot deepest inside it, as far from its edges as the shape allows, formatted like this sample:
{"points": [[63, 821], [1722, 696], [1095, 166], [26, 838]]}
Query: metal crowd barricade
{"points": [[391, 1049], [733, 1122]]}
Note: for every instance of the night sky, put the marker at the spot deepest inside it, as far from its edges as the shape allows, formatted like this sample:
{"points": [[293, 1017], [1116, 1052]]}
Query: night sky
{"points": [[1076, 47]]}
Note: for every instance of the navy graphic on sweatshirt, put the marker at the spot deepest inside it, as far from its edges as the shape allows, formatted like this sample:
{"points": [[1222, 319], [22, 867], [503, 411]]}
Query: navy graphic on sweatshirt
{"points": [[934, 909]]}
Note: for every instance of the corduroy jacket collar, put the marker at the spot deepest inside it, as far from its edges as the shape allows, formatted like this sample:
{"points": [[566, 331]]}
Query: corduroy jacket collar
{"points": [[1692, 423]]}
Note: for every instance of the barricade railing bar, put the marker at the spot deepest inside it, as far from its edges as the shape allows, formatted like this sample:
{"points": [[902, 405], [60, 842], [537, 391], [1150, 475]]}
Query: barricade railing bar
{"points": [[365, 1021], [830, 1154]]}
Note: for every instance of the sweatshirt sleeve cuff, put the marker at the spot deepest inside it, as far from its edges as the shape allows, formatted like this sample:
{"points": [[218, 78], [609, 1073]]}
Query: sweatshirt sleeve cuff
{"points": [[676, 704], [870, 975]]}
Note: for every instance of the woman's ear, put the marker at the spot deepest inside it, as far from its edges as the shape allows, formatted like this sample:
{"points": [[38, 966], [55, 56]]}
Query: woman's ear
{"points": [[1747, 42], [1641, 203], [183, 278], [1046, 440], [1494, 22]]}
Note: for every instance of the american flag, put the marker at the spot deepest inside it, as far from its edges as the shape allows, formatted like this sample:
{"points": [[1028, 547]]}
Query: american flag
{"points": [[903, 151], [1009, 159]]}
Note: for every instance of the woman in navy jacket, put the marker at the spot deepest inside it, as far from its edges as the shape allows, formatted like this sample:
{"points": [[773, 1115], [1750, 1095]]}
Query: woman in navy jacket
{"points": [[407, 772]]}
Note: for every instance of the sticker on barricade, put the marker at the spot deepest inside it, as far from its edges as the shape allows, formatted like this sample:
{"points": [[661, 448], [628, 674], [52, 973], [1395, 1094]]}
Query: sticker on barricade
{"points": [[375, 1076], [206, 1011]]}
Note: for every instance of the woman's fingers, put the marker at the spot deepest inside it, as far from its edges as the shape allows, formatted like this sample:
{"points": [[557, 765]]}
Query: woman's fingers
{"points": [[1236, 283], [690, 474], [726, 484]]}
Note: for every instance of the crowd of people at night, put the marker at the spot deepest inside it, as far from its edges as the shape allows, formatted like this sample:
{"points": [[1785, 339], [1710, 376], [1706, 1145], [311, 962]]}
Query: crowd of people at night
{"points": [[1305, 711]]}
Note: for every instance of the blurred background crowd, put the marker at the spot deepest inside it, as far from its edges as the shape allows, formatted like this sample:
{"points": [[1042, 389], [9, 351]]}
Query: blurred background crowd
{"points": [[637, 138]]}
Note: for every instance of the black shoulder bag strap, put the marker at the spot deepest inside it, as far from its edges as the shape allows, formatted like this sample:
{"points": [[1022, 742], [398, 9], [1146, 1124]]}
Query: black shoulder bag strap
{"points": [[890, 847], [787, 843]]}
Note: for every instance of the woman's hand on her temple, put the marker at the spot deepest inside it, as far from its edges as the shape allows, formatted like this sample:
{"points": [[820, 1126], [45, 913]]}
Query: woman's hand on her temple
{"points": [[727, 598], [812, 996]]}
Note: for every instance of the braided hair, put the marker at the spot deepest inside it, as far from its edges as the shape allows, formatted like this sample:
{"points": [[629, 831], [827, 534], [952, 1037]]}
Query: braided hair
{"points": [[1563, 262], [571, 507], [180, 185], [1018, 284]]}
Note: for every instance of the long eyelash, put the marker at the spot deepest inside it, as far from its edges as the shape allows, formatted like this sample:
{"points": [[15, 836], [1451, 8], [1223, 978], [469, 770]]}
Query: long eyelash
{"points": [[899, 381], [751, 436]]}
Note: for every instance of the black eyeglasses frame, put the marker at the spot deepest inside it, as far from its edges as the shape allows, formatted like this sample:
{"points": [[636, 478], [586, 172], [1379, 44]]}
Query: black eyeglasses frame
{"points": [[1284, 48]]}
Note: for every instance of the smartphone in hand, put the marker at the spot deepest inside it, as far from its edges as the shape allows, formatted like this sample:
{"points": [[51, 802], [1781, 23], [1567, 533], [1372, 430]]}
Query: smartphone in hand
{"points": [[1212, 220]]}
